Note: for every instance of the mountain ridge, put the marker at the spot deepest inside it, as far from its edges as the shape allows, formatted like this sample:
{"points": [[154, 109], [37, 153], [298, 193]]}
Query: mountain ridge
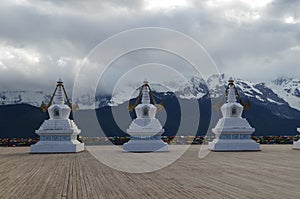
{"points": [[279, 91]]}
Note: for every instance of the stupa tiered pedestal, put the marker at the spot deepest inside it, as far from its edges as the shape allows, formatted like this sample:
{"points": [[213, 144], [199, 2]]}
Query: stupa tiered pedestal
{"points": [[232, 132], [57, 136], [145, 144], [296, 145], [145, 130], [59, 133], [145, 137]]}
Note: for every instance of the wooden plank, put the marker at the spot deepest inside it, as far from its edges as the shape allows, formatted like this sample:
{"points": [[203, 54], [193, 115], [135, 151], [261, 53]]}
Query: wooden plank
{"points": [[271, 173]]}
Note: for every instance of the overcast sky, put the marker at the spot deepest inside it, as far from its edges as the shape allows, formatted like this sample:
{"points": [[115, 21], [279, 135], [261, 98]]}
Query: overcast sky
{"points": [[40, 41]]}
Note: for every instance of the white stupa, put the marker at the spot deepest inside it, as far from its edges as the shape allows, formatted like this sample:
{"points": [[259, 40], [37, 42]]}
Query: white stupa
{"points": [[232, 132], [296, 145], [58, 134], [145, 130]]}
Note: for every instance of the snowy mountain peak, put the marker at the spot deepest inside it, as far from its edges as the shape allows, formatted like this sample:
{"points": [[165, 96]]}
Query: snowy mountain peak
{"points": [[288, 89], [216, 84], [289, 85], [33, 98]]}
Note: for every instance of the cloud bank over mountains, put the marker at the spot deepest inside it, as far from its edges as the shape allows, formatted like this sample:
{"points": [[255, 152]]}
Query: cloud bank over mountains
{"points": [[41, 41]]}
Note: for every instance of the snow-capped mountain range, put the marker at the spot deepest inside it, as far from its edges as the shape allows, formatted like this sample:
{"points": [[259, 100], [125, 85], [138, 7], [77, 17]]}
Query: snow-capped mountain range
{"points": [[275, 107], [33, 98], [282, 91]]}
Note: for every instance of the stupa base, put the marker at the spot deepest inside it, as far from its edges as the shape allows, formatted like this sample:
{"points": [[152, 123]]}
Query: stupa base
{"points": [[57, 147], [233, 145], [145, 146], [296, 145]]}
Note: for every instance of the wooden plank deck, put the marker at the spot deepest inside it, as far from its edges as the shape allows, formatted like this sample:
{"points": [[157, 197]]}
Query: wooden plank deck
{"points": [[272, 173]]}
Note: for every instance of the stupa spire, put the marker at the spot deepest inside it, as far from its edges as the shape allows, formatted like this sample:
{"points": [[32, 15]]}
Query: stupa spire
{"points": [[231, 95], [59, 97], [146, 96]]}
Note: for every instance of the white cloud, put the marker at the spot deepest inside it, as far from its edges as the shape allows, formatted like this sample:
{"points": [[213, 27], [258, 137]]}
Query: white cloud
{"points": [[43, 40], [295, 48], [239, 16], [20, 58], [157, 5], [257, 3], [290, 20]]}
